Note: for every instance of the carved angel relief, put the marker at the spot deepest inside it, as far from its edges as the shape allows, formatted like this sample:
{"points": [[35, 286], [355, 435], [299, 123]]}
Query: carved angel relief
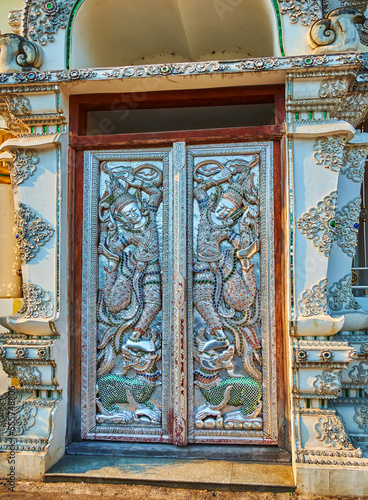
{"points": [[129, 305], [227, 345]]}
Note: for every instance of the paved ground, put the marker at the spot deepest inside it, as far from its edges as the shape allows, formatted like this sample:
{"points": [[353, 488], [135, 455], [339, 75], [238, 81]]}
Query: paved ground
{"points": [[82, 491]]}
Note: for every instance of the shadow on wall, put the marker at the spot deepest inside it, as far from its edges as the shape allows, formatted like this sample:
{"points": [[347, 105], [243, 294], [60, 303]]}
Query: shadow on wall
{"points": [[115, 33]]}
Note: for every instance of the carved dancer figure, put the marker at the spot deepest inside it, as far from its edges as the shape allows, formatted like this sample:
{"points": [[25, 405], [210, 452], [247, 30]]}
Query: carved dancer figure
{"points": [[224, 292], [129, 240]]}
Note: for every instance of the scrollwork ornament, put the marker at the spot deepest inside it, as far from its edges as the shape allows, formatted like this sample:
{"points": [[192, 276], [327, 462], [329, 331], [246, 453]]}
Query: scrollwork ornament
{"points": [[45, 18], [347, 226], [359, 373], [329, 152], [340, 295], [305, 10], [328, 383], [318, 223], [352, 108], [314, 301], [331, 431], [23, 415], [354, 163], [33, 232], [29, 375], [361, 417], [23, 165], [37, 302], [333, 87]]}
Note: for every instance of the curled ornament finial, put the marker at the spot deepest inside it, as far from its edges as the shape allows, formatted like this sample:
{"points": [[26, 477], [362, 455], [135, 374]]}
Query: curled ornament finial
{"points": [[336, 32], [18, 54]]}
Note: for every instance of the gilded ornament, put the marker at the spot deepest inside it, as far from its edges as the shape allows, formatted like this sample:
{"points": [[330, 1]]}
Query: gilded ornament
{"points": [[314, 301], [32, 232], [46, 17], [347, 225], [329, 152], [36, 302], [328, 383], [318, 223], [359, 373], [340, 295], [331, 431], [361, 417], [23, 165], [326, 355]]}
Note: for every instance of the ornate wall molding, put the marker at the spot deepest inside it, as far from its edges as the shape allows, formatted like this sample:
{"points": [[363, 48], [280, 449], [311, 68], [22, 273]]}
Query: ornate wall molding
{"points": [[23, 165], [37, 302], [28, 374], [45, 18], [318, 224], [328, 383], [16, 107], [347, 224], [331, 432], [354, 162], [314, 301], [32, 232], [340, 295], [305, 10], [329, 152]]}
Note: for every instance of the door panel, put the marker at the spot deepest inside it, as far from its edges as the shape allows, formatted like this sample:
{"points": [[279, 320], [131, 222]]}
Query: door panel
{"points": [[178, 319]]}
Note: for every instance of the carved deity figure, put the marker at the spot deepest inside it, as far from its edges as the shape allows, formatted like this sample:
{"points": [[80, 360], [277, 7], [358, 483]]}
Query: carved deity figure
{"points": [[129, 240], [225, 290]]}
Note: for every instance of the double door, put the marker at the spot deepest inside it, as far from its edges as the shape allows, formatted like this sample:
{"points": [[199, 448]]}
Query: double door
{"points": [[178, 299]]}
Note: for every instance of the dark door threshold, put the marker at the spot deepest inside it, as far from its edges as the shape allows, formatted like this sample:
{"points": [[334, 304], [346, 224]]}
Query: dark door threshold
{"points": [[232, 453]]}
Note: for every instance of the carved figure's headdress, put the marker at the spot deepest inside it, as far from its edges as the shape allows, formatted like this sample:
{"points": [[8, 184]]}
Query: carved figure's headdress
{"points": [[123, 198], [234, 193]]}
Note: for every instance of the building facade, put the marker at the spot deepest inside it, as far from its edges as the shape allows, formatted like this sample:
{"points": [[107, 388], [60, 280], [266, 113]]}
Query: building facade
{"points": [[186, 272]]}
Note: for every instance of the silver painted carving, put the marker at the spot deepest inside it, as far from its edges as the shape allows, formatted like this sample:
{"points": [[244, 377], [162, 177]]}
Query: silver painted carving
{"points": [[28, 374], [21, 413], [329, 152], [331, 432], [314, 301], [231, 391], [340, 295], [17, 107], [361, 417], [45, 18], [37, 302], [333, 87], [305, 10], [354, 162], [32, 232], [23, 165], [21, 353], [359, 373], [347, 224], [318, 223], [328, 383], [352, 108]]}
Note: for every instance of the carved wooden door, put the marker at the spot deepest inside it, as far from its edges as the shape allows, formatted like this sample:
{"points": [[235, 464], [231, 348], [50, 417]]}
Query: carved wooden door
{"points": [[178, 319]]}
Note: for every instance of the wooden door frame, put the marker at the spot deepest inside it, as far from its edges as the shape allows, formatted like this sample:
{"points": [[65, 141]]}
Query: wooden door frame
{"points": [[79, 142]]}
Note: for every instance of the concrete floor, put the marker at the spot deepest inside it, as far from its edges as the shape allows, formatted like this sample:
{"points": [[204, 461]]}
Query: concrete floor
{"points": [[81, 491]]}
